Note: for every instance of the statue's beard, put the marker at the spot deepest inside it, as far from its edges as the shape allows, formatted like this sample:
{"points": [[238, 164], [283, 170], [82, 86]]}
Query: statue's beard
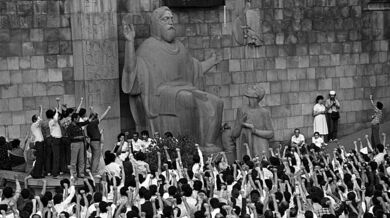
{"points": [[169, 34]]}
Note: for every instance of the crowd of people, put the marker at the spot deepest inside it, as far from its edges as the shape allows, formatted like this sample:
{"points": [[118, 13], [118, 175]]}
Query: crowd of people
{"points": [[299, 179], [57, 145]]}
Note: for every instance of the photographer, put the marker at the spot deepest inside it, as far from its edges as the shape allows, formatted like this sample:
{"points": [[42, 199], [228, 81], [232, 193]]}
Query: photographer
{"points": [[333, 115]]}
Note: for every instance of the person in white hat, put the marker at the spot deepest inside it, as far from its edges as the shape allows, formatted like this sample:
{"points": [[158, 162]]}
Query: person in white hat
{"points": [[333, 115]]}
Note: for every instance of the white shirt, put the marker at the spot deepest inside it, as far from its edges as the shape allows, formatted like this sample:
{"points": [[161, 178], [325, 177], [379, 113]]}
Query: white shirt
{"points": [[215, 212], [55, 129], [137, 145], [318, 142], [125, 146], [146, 144], [299, 139], [63, 206], [191, 203], [114, 169], [83, 119], [92, 208], [267, 174], [36, 130], [379, 158], [198, 167]]}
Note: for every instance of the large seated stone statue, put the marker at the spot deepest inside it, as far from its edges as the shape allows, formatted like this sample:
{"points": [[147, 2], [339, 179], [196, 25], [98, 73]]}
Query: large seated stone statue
{"points": [[253, 125], [160, 79]]}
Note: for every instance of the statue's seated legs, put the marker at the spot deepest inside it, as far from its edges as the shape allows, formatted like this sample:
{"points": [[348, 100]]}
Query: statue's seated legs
{"points": [[198, 114]]}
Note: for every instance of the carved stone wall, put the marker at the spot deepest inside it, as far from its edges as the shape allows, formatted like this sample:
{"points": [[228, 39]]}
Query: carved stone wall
{"points": [[36, 61], [310, 47], [95, 48]]}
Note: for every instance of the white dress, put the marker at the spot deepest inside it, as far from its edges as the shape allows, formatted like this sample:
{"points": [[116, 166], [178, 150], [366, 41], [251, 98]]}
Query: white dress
{"points": [[320, 124]]}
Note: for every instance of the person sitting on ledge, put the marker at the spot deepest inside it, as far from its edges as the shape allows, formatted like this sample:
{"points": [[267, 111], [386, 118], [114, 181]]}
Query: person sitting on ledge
{"points": [[16, 155], [297, 139], [317, 140]]}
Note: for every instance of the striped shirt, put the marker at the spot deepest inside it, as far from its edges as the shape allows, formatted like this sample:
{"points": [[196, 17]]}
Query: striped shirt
{"points": [[377, 117]]}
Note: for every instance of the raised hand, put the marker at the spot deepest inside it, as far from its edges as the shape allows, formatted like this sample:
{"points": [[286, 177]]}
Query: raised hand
{"points": [[215, 58], [128, 31]]}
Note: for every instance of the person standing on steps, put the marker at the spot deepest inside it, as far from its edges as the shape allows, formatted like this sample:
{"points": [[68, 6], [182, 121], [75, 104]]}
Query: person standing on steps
{"points": [[93, 133], [39, 144], [77, 146], [377, 119], [57, 148], [333, 115], [319, 111]]}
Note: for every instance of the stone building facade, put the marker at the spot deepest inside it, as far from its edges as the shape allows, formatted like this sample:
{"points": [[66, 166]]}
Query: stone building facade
{"points": [[74, 48], [310, 47], [57, 49], [36, 61]]}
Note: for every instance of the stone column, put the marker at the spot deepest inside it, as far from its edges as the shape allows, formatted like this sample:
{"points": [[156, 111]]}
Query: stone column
{"points": [[95, 50]]}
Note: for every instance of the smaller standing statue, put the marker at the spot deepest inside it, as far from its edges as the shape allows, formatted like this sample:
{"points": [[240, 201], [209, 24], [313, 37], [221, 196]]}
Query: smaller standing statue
{"points": [[253, 125]]}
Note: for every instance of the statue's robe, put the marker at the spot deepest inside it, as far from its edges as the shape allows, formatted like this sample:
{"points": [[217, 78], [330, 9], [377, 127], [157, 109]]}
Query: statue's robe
{"points": [[261, 119], [163, 95]]}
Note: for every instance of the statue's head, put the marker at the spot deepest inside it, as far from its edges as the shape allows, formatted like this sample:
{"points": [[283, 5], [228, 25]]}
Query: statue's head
{"points": [[255, 92], [162, 24]]}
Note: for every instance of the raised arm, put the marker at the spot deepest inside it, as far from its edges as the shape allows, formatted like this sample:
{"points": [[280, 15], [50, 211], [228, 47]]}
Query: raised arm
{"points": [[72, 192], [130, 58], [44, 185], [372, 103], [34, 204], [40, 111], [58, 104], [18, 190], [56, 115], [248, 151], [158, 163], [86, 202], [78, 209], [81, 103], [91, 109], [118, 211], [179, 158], [368, 143], [201, 162], [24, 144], [384, 139], [105, 113], [40, 205], [167, 154]]}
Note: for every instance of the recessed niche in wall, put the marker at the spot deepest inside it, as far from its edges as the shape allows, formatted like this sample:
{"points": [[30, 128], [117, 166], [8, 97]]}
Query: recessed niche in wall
{"points": [[379, 5], [193, 3]]}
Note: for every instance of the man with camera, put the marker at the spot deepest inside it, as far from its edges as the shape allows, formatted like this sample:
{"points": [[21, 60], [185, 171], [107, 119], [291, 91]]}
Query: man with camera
{"points": [[333, 115]]}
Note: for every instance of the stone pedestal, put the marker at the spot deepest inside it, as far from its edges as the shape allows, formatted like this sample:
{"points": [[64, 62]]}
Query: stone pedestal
{"points": [[95, 50]]}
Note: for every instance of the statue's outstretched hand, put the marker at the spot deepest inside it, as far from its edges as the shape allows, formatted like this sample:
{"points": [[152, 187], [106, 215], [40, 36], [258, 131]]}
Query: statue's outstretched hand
{"points": [[215, 58], [128, 31]]}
